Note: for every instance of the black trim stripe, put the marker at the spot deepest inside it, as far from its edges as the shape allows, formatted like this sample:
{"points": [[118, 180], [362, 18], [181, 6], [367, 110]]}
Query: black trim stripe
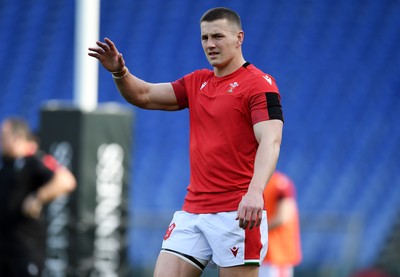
{"points": [[274, 106], [194, 260], [246, 64]]}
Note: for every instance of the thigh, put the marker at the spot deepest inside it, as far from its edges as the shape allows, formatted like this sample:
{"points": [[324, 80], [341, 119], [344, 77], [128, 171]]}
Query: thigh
{"points": [[169, 264], [239, 271], [184, 236], [232, 246]]}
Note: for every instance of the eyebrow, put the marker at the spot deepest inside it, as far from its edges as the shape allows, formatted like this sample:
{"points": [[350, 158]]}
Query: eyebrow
{"points": [[212, 35]]}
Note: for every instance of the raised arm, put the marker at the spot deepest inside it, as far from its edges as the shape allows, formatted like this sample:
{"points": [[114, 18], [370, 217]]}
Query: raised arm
{"points": [[138, 92]]}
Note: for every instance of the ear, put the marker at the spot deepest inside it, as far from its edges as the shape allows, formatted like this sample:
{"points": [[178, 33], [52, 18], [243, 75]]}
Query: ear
{"points": [[240, 38]]}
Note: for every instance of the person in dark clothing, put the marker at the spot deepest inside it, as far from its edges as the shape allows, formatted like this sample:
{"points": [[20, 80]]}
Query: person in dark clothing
{"points": [[28, 181]]}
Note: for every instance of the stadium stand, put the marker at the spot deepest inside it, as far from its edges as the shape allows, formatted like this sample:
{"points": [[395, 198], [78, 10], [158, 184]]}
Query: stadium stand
{"points": [[337, 64]]}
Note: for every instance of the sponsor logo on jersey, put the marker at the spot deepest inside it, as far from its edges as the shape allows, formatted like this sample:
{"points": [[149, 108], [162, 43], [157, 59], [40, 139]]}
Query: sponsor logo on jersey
{"points": [[234, 250], [203, 85], [269, 80]]}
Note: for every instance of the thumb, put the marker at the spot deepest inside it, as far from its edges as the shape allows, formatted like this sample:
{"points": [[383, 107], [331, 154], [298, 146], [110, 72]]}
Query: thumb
{"points": [[121, 59]]}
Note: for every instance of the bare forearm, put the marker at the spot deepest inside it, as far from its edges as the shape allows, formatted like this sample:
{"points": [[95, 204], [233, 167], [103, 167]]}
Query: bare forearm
{"points": [[269, 137], [252, 204], [159, 96], [139, 93], [63, 182], [264, 165], [132, 89]]}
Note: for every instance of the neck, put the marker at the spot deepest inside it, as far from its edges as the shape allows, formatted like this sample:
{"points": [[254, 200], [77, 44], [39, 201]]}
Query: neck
{"points": [[231, 67]]}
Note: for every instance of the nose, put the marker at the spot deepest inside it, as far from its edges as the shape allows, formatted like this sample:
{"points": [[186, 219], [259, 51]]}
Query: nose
{"points": [[210, 43]]}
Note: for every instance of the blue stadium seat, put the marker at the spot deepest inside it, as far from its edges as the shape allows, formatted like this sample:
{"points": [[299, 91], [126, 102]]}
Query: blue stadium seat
{"points": [[337, 65]]}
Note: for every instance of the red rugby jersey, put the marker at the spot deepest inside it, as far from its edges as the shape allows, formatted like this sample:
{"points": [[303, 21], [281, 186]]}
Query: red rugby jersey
{"points": [[222, 112]]}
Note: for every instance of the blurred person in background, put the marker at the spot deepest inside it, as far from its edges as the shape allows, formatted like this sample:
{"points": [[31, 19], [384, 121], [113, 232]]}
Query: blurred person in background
{"points": [[28, 181], [236, 126], [284, 248]]}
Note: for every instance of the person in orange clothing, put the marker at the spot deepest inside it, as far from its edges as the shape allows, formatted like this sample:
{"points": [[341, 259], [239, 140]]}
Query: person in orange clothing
{"points": [[284, 248]]}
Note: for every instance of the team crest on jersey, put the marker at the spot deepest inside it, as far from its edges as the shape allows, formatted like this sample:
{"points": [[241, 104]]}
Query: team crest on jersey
{"points": [[269, 80], [233, 86]]}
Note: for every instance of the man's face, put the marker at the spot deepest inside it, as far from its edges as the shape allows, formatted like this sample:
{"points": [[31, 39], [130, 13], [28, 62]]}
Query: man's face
{"points": [[220, 41]]}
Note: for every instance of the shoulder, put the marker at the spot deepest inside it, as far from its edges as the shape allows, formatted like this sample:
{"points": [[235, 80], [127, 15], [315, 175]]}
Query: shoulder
{"points": [[199, 74], [259, 80], [32, 159], [48, 161], [192, 80], [42, 160]]}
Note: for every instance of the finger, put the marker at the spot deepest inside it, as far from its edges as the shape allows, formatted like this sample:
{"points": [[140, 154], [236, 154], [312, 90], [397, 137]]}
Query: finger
{"points": [[251, 218], [245, 219], [256, 219], [97, 50], [239, 213], [110, 44], [243, 224], [242, 221], [259, 217], [103, 46], [94, 55], [252, 224], [240, 216], [121, 59]]}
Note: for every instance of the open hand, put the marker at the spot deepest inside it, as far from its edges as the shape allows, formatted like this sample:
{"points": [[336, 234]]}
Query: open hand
{"points": [[108, 55]]}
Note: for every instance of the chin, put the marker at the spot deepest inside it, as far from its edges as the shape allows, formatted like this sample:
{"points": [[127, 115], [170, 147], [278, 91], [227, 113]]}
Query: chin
{"points": [[214, 63]]}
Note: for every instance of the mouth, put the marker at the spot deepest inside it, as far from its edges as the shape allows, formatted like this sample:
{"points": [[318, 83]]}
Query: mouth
{"points": [[213, 54]]}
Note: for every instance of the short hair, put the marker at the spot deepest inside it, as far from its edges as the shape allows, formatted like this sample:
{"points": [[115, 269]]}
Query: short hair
{"points": [[221, 13], [19, 127]]}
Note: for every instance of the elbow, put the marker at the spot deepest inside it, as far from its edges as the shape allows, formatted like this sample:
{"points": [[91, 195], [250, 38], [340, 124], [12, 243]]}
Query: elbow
{"points": [[137, 102], [142, 104], [67, 181], [72, 184]]}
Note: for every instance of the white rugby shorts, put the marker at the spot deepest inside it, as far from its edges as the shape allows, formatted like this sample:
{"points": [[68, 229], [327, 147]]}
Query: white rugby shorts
{"points": [[216, 237]]}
